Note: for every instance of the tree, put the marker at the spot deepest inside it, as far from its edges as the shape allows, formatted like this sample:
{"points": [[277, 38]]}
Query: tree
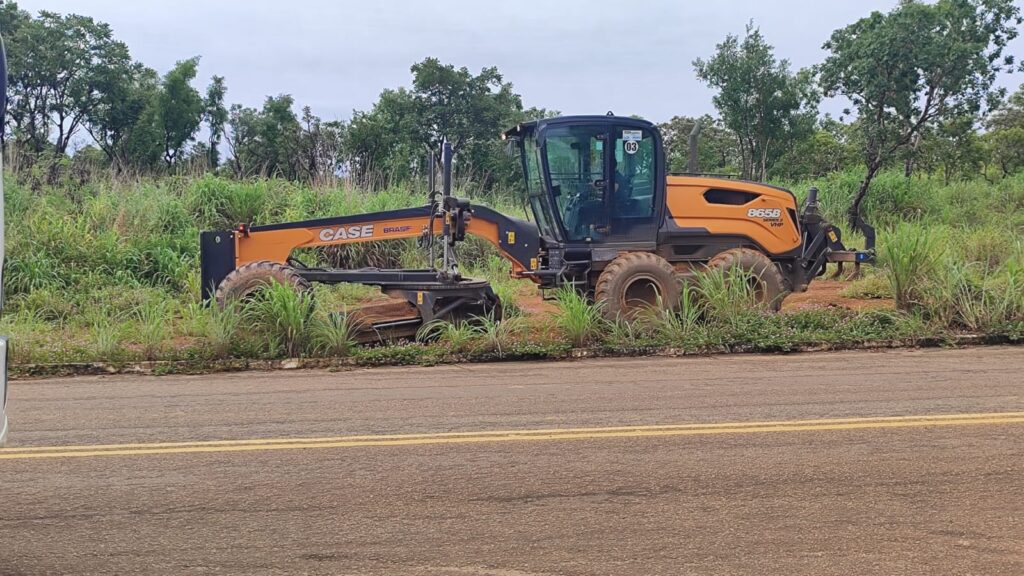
{"points": [[266, 141], [216, 117], [14, 23], [915, 66], [717, 150], [179, 109], [1005, 136], [831, 148], [320, 147], [444, 102], [61, 66], [385, 141], [766, 106], [469, 111], [117, 121], [952, 147]]}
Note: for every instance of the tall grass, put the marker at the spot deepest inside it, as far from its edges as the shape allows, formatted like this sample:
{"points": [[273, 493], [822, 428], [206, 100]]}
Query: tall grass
{"points": [[580, 321], [675, 326], [478, 333], [282, 316], [109, 270], [911, 255], [222, 328], [333, 334], [725, 296], [153, 328], [106, 340], [496, 334], [457, 335]]}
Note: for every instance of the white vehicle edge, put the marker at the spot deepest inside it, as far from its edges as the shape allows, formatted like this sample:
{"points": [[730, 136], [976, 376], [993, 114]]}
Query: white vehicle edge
{"points": [[3, 340]]}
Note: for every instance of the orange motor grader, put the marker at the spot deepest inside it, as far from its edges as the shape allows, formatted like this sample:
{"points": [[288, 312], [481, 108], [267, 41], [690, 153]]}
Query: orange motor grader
{"points": [[608, 220]]}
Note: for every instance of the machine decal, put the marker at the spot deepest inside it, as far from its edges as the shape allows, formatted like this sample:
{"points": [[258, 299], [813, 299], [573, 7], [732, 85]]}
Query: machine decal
{"points": [[766, 213], [631, 147], [346, 232]]}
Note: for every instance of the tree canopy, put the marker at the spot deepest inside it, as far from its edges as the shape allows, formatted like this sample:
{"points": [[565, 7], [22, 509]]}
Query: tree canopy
{"points": [[916, 67], [760, 100], [921, 80]]}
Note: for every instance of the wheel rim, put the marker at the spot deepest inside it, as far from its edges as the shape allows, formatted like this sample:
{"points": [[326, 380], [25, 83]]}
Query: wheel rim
{"points": [[642, 291]]}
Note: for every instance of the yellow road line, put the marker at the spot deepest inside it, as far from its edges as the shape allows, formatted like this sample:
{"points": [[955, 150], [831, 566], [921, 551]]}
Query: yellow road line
{"points": [[260, 444]]}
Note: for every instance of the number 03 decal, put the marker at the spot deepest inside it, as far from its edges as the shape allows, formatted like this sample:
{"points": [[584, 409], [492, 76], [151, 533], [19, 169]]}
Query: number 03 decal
{"points": [[764, 213]]}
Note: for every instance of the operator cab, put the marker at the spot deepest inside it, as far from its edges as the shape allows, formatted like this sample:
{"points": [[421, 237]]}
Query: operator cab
{"points": [[593, 179]]}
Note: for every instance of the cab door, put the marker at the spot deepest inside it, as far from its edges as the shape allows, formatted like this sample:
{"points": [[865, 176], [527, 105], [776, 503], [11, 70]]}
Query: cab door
{"points": [[576, 160], [633, 192]]}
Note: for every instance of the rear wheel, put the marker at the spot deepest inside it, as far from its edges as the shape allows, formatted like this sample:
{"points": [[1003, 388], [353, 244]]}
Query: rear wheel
{"points": [[767, 282], [634, 282], [243, 282]]}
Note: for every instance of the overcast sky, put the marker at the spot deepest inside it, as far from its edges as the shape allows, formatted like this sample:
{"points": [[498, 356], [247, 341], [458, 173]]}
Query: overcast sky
{"points": [[575, 56]]}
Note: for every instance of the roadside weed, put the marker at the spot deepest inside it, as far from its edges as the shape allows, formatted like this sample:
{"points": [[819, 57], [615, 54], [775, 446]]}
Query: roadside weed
{"points": [[579, 320], [281, 315], [333, 334]]}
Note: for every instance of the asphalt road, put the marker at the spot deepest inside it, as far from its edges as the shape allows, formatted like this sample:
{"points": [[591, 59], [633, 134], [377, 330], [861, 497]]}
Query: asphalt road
{"points": [[906, 462]]}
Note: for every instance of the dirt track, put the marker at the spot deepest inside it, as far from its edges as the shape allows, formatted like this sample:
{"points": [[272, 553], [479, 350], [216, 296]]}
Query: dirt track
{"points": [[821, 294]]}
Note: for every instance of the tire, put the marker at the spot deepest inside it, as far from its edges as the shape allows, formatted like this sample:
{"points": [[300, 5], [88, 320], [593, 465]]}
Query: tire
{"points": [[636, 281], [771, 287], [243, 282]]}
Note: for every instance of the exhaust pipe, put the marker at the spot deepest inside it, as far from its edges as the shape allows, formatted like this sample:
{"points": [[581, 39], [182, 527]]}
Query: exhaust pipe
{"points": [[812, 200]]}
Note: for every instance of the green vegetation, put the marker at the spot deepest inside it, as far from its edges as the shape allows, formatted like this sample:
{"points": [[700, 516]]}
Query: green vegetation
{"points": [[109, 272]]}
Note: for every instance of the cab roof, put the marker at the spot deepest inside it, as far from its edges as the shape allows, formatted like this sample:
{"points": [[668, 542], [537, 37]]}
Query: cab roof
{"points": [[527, 128]]}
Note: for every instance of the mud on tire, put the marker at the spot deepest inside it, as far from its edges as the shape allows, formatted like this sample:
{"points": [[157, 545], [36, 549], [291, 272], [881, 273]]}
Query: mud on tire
{"points": [[771, 288], [636, 281], [245, 281]]}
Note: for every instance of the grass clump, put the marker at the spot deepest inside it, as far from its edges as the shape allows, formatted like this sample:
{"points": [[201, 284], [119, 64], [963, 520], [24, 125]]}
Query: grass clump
{"points": [[457, 335], [106, 340], [333, 334], [282, 316], [679, 326], [579, 321], [153, 328], [869, 287], [911, 256], [725, 296], [476, 334], [221, 328]]}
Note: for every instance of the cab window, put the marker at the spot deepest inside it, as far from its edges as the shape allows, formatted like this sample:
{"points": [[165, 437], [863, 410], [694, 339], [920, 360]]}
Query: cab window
{"points": [[633, 195]]}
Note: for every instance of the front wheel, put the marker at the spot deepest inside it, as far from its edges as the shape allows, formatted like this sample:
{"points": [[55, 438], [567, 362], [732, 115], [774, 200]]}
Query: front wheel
{"points": [[634, 282]]}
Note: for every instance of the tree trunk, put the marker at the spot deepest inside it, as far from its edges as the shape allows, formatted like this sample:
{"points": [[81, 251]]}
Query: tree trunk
{"points": [[693, 156], [853, 215], [764, 161]]}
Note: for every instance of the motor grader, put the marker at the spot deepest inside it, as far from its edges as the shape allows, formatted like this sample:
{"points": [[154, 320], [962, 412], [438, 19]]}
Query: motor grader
{"points": [[608, 221]]}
